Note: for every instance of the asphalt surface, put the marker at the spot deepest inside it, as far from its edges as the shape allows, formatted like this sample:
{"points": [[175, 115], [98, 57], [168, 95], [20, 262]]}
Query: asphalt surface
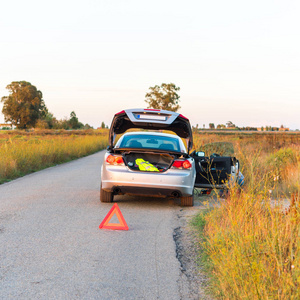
{"points": [[51, 246]]}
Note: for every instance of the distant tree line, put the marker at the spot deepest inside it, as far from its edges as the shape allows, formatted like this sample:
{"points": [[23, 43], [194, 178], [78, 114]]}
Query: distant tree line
{"points": [[50, 122], [25, 108], [231, 126]]}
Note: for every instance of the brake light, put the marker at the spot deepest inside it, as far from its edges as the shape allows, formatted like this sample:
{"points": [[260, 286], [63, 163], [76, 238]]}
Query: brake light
{"points": [[114, 160], [183, 117], [121, 112], [182, 164], [177, 163], [119, 160]]}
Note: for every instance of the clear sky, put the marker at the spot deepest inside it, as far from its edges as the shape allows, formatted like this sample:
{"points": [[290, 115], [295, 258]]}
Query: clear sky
{"points": [[234, 60]]}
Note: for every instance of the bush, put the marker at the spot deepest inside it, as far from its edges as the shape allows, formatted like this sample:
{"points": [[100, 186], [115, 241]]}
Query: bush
{"points": [[282, 158]]}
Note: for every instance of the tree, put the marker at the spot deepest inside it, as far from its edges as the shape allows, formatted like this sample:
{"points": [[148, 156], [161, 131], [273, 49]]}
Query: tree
{"points": [[24, 105], [87, 126], [50, 119], [102, 125], [47, 121], [211, 125], [163, 97], [268, 128], [230, 124], [63, 124], [73, 122]]}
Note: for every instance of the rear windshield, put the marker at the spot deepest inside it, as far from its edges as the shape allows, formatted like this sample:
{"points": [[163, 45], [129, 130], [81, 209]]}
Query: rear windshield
{"points": [[150, 142]]}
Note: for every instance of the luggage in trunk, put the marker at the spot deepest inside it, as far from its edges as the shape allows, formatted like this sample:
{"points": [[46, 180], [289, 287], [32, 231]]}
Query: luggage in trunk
{"points": [[148, 161]]}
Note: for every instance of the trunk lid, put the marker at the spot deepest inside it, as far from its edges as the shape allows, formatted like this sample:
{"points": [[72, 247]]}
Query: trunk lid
{"points": [[151, 119]]}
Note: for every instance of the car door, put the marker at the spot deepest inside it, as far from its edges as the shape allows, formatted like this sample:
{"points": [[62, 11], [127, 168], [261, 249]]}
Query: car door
{"points": [[215, 171]]}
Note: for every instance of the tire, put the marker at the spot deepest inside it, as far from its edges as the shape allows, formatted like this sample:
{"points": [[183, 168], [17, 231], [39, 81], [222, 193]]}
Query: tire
{"points": [[106, 196], [187, 201]]}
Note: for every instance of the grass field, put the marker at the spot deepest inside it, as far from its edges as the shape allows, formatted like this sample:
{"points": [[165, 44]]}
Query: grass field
{"points": [[250, 246], [26, 152]]}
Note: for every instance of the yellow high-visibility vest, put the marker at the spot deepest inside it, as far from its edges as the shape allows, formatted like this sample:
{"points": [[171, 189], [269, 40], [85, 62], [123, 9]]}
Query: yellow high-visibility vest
{"points": [[145, 165]]}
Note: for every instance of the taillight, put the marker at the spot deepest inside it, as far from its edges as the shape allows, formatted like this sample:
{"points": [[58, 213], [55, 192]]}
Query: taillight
{"points": [[119, 160], [110, 159], [182, 164], [177, 163], [114, 160], [186, 164]]}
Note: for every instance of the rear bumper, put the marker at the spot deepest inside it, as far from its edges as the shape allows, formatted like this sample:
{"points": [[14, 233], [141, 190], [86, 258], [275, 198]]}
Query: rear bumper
{"points": [[172, 183], [146, 191]]}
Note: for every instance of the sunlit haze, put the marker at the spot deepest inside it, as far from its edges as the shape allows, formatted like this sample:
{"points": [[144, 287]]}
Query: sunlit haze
{"points": [[233, 60]]}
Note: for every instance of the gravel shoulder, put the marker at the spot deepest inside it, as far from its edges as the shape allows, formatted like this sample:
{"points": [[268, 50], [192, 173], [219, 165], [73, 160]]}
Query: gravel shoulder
{"points": [[193, 282]]}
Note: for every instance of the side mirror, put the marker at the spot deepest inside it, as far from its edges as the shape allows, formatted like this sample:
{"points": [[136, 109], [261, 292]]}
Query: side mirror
{"points": [[200, 153]]}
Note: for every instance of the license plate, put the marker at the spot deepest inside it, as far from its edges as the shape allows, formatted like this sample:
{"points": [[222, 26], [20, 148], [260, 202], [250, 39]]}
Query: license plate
{"points": [[151, 117]]}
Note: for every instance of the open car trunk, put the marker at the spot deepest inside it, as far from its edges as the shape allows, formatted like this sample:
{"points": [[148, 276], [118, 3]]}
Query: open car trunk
{"points": [[148, 161], [151, 119]]}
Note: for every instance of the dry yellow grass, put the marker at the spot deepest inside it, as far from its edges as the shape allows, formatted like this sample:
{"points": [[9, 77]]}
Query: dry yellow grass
{"points": [[22, 153], [252, 245], [254, 249]]}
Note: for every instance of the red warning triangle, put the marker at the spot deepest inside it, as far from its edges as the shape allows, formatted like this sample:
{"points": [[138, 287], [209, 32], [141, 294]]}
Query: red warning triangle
{"points": [[115, 226]]}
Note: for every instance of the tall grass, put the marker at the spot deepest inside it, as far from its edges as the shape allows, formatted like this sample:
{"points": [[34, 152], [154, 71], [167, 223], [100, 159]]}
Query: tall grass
{"points": [[24, 153], [251, 240], [253, 247]]}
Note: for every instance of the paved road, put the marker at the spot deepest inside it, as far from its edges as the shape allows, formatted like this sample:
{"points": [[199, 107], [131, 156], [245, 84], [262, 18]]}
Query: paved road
{"points": [[51, 246]]}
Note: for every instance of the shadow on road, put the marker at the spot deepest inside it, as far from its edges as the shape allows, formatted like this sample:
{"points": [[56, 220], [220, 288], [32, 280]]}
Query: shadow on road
{"points": [[200, 202], [147, 201]]}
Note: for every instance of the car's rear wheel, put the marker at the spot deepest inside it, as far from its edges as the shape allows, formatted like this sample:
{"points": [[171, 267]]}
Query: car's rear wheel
{"points": [[106, 196], [187, 201]]}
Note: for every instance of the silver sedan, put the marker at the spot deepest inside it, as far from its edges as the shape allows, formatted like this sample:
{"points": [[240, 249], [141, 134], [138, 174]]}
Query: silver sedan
{"points": [[149, 162]]}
